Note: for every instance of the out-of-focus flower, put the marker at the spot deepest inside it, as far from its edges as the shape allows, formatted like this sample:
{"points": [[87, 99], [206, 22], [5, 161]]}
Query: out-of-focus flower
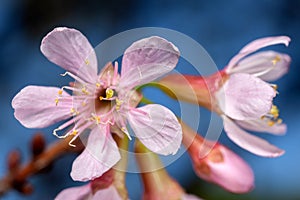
{"points": [[240, 95], [215, 163], [158, 185], [97, 189], [103, 103]]}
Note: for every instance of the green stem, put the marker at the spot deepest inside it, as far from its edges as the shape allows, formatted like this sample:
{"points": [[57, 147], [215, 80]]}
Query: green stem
{"points": [[159, 86]]}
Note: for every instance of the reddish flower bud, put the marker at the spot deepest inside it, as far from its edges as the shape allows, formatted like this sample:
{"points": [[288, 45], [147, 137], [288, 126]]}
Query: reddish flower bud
{"points": [[217, 164]]}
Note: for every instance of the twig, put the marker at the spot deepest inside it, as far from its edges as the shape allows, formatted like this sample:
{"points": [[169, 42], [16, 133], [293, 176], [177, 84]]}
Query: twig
{"points": [[17, 175]]}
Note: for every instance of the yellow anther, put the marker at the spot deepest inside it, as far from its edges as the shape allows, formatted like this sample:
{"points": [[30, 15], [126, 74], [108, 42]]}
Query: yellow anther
{"points": [[74, 132], [98, 84], [56, 101], [97, 119], [271, 123], [118, 104], [109, 93], [83, 103], [74, 111], [276, 60], [60, 92], [86, 61], [84, 91], [274, 86], [274, 111], [279, 121], [101, 98]]}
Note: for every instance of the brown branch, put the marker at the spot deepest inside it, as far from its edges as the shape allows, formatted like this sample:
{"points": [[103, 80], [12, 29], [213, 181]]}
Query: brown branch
{"points": [[17, 175]]}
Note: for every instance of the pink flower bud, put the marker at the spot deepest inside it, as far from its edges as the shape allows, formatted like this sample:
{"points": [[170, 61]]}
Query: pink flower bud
{"points": [[217, 164]]}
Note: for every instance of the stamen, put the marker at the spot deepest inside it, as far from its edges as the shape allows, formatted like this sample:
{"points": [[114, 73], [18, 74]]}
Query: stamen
{"points": [[58, 136], [73, 139], [60, 92], [96, 118], [114, 80], [274, 86], [124, 129], [274, 111], [84, 90], [86, 61], [276, 60], [70, 88], [74, 132], [118, 104], [109, 95], [65, 125], [76, 78], [271, 123], [56, 101], [74, 111], [272, 117]]}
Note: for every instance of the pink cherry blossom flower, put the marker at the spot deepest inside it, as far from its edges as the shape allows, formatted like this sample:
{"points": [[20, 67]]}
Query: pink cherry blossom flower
{"points": [[217, 164], [261, 67], [103, 103], [240, 95]]}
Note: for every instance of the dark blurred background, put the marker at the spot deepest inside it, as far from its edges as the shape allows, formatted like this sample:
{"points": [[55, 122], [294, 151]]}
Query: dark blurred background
{"points": [[221, 27]]}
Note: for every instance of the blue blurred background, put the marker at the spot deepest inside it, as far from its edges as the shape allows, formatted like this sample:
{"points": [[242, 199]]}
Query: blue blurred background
{"points": [[221, 27]]}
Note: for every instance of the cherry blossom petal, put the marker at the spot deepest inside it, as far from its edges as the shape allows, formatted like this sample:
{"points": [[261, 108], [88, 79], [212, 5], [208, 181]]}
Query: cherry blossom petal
{"points": [[256, 45], [244, 96], [264, 42], [260, 125], [109, 193], [157, 128], [250, 142], [226, 169], [147, 60], [267, 65], [35, 106], [75, 193], [280, 69], [100, 154], [71, 50]]}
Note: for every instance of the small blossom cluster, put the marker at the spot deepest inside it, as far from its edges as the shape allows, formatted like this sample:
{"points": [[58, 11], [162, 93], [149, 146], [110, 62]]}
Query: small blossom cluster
{"points": [[106, 103]]}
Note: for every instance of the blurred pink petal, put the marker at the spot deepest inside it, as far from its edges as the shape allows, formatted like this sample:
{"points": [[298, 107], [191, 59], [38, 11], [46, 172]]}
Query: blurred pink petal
{"points": [[260, 125], [35, 107], [147, 60], [264, 42], [157, 128], [109, 193], [70, 49], [100, 154], [266, 65], [244, 96], [75, 193], [250, 142], [189, 197], [256, 45]]}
